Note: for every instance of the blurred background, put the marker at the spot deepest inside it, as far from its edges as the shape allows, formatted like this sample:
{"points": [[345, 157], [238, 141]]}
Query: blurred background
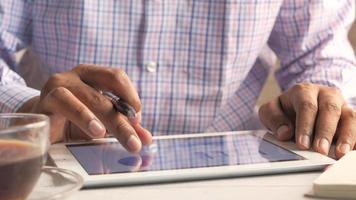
{"points": [[271, 89]]}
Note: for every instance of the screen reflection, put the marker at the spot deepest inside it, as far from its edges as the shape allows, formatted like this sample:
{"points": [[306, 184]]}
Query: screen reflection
{"points": [[182, 153]]}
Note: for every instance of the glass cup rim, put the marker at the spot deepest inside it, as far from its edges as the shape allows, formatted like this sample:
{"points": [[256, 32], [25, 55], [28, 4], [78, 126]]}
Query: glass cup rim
{"points": [[43, 120]]}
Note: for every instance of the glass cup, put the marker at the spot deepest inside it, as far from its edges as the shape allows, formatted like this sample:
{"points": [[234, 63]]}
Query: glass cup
{"points": [[24, 142]]}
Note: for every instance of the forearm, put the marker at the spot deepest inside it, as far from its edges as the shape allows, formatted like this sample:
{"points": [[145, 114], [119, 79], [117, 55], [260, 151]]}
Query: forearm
{"points": [[314, 47], [331, 71], [15, 34], [14, 96], [27, 107], [13, 90]]}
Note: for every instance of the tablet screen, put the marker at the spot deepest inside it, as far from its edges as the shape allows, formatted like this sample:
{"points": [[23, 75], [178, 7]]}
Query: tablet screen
{"points": [[180, 153]]}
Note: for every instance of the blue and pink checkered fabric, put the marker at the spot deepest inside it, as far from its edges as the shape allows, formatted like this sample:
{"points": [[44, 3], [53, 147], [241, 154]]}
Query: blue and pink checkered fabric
{"points": [[207, 71]]}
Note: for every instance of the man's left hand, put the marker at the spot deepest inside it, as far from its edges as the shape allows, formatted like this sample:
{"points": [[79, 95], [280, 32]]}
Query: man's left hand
{"points": [[315, 114]]}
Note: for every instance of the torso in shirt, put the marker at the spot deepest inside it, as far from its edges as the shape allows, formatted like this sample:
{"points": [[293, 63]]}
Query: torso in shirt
{"points": [[187, 59]]}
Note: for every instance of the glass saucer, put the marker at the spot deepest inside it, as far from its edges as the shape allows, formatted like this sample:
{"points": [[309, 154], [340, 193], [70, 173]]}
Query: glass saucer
{"points": [[56, 183]]}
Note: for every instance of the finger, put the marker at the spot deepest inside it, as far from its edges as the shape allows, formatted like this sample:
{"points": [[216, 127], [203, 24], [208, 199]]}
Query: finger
{"points": [[304, 101], [346, 132], [329, 110], [125, 133], [139, 117], [115, 122], [110, 79], [62, 101], [147, 154], [144, 135], [273, 117], [57, 125]]}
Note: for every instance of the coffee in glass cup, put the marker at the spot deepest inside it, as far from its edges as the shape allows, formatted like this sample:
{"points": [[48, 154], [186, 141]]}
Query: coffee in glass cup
{"points": [[23, 148]]}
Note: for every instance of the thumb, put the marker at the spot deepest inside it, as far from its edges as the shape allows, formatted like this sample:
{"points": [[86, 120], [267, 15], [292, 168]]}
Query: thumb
{"points": [[274, 119]]}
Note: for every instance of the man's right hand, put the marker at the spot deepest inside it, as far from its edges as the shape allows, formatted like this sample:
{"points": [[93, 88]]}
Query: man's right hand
{"points": [[75, 96]]}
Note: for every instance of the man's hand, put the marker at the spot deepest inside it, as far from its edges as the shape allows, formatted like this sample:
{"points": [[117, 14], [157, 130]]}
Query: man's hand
{"points": [[315, 115], [75, 96]]}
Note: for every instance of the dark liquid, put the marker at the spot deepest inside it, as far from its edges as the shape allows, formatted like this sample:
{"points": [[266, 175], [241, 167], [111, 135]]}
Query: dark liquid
{"points": [[20, 168]]}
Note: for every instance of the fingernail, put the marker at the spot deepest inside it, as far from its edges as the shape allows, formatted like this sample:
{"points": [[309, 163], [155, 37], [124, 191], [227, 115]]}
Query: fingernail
{"points": [[96, 128], [324, 145], [344, 148], [133, 143], [282, 131], [305, 141]]}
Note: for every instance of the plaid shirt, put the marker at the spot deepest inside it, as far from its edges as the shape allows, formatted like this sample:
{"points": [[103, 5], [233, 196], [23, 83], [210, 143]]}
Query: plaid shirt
{"points": [[196, 64]]}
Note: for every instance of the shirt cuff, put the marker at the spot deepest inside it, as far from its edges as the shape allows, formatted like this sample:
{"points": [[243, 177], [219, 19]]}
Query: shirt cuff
{"points": [[352, 102], [13, 96]]}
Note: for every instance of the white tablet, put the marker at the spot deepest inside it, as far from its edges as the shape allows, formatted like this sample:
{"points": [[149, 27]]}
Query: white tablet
{"points": [[105, 162]]}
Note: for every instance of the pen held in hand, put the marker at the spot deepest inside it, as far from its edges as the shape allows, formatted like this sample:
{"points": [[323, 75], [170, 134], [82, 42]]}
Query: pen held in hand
{"points": [[121, 106]]}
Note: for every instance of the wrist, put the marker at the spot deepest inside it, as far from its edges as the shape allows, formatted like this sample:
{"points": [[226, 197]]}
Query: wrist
{"points": [[29, 106]]}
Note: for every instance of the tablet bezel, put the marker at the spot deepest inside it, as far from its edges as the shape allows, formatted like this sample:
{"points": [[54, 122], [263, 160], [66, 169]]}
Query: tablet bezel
{"points": [[63, 158]]}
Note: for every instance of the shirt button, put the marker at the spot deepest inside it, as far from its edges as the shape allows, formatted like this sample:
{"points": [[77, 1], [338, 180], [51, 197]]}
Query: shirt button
{"points": [[151, 66]]}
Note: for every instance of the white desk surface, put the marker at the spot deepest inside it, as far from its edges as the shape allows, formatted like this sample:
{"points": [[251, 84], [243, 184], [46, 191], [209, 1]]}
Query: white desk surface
{"points": [[287, 186]]}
